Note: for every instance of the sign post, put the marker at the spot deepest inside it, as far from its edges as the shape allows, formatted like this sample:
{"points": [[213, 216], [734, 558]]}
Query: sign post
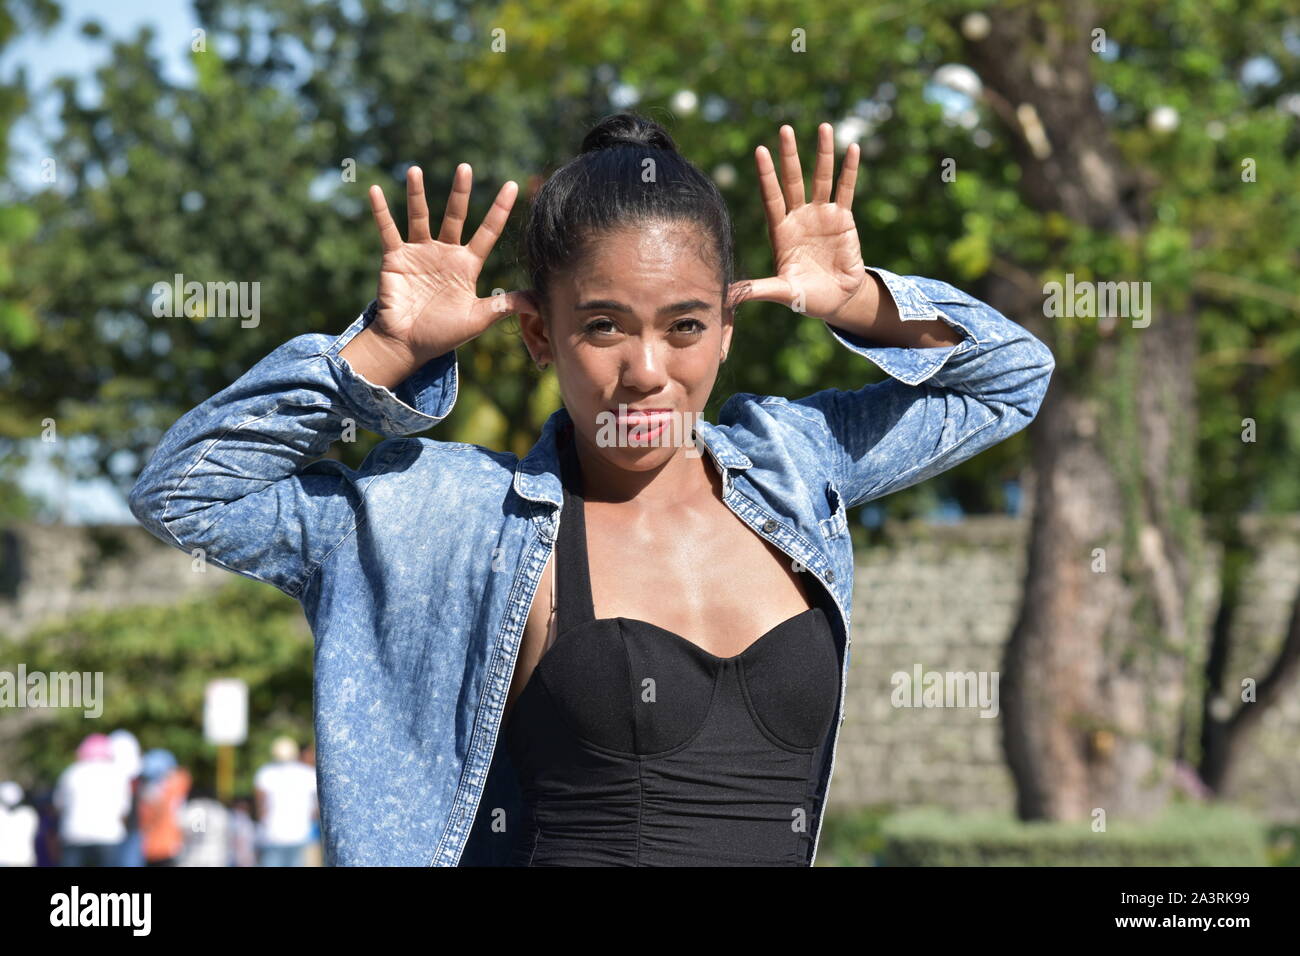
{"points": [[225, 723]]}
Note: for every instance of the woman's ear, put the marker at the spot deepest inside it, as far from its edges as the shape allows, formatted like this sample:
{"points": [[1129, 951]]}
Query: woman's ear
{"points": [[532, 325]]}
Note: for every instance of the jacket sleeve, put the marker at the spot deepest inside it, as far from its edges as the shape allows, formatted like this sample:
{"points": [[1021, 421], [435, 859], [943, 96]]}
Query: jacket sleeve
{"points": [[939, 407], [235, 477]]}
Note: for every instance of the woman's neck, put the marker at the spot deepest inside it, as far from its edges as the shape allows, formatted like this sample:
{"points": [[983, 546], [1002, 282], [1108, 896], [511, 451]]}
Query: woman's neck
{"points": [[681, 479]]}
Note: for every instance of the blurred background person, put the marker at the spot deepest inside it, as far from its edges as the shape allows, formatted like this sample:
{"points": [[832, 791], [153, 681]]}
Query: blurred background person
{"points": [[286, 805], [243, 833], [126, 754], [161, 799], [93, 798], [18, 825], [47, 832], [207, 830]]}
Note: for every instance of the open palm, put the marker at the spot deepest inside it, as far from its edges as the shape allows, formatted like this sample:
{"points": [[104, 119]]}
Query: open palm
{"points": [[427, 298], [815, 245]]}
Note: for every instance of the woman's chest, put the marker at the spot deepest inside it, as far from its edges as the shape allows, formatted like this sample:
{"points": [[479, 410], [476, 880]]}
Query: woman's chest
{"points": [[707, 577]]}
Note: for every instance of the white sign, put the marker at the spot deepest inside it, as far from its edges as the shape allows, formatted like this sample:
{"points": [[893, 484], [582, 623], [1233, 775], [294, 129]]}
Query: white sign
{"points": [[225, 711]]}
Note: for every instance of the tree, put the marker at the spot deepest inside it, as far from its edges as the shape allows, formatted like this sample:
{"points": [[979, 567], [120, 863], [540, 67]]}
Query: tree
{"points": [[1096, 669], [17, 222]]}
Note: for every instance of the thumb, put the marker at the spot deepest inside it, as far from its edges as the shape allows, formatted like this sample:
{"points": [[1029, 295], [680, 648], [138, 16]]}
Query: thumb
{"points": [[772, 289], [501, 304]]}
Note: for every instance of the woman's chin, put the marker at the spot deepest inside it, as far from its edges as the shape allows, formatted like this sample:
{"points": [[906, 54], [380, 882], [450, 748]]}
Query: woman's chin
{"points": [[641, 457]]}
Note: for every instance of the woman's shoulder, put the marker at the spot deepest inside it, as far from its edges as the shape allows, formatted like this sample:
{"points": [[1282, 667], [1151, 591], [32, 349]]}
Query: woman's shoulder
{"points": [[774, 433], [436, 450], [455, 465], [432, 453], [751, 419]]}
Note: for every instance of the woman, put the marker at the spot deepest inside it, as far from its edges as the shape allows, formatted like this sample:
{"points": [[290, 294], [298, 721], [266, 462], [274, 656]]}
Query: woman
{"points": [[696, 606]]}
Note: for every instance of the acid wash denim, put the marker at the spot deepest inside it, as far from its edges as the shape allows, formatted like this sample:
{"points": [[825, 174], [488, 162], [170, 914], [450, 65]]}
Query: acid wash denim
{"points": [[417, 571]]}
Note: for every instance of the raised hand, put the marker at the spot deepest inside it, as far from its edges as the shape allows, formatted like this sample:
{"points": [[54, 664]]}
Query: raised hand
{"points": [[815, 245], [428, 302]]}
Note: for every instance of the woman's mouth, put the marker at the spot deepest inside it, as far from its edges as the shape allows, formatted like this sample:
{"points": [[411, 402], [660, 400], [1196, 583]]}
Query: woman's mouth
{"points": [[643, 424]]}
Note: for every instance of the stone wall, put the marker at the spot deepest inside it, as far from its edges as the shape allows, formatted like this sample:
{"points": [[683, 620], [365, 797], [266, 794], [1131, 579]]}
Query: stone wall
{"points": [[946, 597], [941, 596], [49, 571]]}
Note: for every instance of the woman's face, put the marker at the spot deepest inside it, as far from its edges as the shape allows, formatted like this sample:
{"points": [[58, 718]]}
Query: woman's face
{"points": [[637, 324]]}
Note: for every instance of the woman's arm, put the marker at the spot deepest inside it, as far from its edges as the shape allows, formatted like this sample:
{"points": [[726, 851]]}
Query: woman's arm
{"points": [[963, 376], [236, 479], [941, 405]]}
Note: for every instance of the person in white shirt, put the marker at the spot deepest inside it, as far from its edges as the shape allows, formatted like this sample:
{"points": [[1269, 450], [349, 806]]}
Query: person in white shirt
{"points": [[93, 797], [18, 825], [286, 803], [207, 830], [126, 754]]}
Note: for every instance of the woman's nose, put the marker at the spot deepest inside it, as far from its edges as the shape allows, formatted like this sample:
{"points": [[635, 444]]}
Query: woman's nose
{"points": [[644, 368]]}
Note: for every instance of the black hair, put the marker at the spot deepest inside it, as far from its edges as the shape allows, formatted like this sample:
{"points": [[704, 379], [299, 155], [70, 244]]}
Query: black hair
{"points": [[604, 187]]}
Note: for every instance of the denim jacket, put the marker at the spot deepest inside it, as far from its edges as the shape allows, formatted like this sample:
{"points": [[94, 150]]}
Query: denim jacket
{"points": [[417, 570]]}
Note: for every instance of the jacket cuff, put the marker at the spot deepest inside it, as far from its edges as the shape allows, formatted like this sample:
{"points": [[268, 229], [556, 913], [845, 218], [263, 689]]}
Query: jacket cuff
{"points": [[425, 398], [911, 366]]}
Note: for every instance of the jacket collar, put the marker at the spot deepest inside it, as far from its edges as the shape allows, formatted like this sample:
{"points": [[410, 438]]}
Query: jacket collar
{"points": [[537, 476]]}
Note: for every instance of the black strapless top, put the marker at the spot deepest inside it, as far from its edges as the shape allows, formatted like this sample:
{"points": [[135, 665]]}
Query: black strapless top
{"points": [[636, 747]]}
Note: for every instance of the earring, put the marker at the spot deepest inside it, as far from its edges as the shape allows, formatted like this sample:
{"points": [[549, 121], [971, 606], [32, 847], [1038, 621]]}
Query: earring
{"points": [[542, 366]]}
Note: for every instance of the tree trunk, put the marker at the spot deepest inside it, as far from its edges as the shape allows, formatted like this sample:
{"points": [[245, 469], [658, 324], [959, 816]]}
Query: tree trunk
{"points": [[1226, 719], [1093, 675]]}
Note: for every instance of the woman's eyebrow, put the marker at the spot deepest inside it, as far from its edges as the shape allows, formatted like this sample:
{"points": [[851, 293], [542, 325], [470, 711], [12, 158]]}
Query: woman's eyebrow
{"points": [[611, 305]]}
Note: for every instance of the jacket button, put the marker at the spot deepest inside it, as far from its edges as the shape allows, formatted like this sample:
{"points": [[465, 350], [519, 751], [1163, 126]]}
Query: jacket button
{"points": [[769, 525], [830, 576]]}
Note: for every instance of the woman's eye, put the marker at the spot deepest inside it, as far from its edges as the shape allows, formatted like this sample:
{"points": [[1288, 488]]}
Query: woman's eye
{"points": [[690, 326]]}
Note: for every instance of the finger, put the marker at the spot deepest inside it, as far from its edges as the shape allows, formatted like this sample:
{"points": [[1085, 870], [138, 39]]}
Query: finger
{"points": [[773, 289], [511, 303], [791, 173], [495, 221], [824, 170], [737, 293], [493, 308], [388, 234], [770, 189], [417, 209], [457, 205], [848, 177]]}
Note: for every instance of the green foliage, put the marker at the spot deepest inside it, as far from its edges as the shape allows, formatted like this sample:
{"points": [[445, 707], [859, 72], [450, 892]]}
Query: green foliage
{"points": [[1284, 845], [239, 178], [854, 838], [18, 222], [156, 662], [1184, 835]]}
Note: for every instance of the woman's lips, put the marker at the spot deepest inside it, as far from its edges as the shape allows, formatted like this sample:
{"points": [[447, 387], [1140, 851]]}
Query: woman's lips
{"points": [[644, 424], [645, 415]]}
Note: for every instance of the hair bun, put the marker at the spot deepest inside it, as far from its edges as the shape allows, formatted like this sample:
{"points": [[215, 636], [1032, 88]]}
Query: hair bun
{"points": [[627, 129]]}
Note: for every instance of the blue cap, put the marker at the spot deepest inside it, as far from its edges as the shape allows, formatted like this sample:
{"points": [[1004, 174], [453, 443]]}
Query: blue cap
{"points": [[156, 763]]}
